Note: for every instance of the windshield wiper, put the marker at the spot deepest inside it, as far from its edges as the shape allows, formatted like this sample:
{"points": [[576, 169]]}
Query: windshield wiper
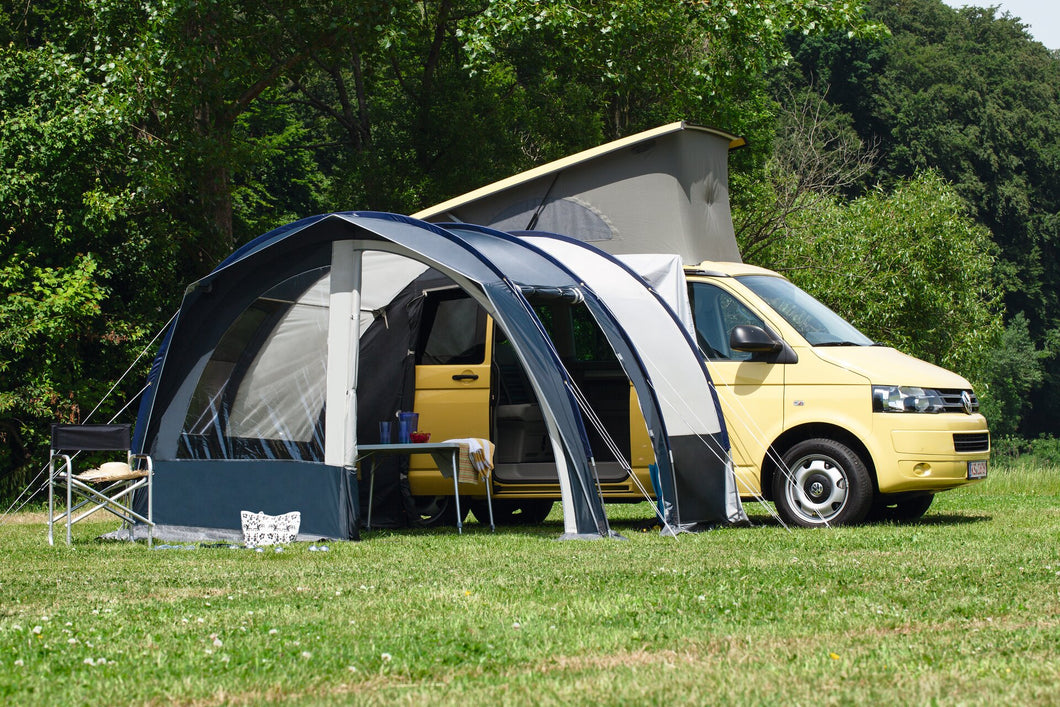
{"points": [[842, 343]]}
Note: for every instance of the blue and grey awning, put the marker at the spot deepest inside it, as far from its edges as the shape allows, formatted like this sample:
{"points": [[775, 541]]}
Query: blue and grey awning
{"points": [[297, 388]]}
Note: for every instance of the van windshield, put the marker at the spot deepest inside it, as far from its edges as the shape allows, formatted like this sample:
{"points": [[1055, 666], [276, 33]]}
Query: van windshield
{"points": [[819, 325]]}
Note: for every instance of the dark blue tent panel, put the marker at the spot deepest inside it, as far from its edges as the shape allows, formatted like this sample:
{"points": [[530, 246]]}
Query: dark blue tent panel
{"points": [[209, 494]]}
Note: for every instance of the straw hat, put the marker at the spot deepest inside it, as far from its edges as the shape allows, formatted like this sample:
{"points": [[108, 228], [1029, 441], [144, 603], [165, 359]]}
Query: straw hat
{"points": [[110, 471]]}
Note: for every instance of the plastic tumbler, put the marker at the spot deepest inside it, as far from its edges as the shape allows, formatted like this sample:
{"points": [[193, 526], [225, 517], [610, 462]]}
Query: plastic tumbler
{"points": [[384, 433], [403, 431], [413, 419]]}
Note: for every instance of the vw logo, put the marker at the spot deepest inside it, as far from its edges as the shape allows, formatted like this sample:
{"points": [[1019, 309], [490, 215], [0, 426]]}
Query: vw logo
{"points": [[966, 402]]}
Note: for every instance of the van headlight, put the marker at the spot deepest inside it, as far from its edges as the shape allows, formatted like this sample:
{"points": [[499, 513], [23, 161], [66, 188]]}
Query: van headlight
{"points": [[900, 398]]}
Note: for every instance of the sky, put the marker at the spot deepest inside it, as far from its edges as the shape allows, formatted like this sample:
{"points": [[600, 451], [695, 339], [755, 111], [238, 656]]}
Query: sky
{"points": [[1043, 16]]}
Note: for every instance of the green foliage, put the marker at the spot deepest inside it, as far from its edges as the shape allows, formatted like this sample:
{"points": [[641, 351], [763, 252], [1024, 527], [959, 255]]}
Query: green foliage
{"points": [[1011, 373], [280, 181], [140, 142], [647, 62], [815, 156], [969, 94], [1005, 449], [979, 103], [46, 315], [1045, 449], [71, 238], [1011, 451], [909, 268]]}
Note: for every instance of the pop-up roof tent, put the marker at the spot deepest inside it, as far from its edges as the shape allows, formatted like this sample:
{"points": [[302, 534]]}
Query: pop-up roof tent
{"points": [[291, 350], [660, 191]]}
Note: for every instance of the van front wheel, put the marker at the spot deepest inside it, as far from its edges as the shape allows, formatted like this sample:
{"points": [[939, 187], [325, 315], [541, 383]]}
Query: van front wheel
{"points": [[823, 483]]}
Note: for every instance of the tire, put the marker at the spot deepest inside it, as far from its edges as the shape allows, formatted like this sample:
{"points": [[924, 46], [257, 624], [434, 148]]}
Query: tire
{"points": [[522, 511], [433, 511], [826, 484], [901, 508]]}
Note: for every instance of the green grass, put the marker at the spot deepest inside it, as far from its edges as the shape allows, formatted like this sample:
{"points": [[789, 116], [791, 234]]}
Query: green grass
{"points": [[962, 608]]}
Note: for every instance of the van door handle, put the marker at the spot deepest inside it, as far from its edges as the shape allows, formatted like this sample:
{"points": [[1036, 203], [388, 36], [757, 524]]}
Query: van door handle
{"points": [[465, 377]]}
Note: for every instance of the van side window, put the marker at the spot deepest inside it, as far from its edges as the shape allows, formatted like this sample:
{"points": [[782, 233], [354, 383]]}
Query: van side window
{"points": [[716, 312], [452, 330]]}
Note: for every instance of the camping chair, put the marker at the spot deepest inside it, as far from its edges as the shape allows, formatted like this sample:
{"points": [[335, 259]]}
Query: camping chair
{"points": [[110, 487]]}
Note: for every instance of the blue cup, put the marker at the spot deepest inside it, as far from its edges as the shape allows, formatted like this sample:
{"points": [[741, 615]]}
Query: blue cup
{"points": [[404, 431], [384, 433], [413, 419]]}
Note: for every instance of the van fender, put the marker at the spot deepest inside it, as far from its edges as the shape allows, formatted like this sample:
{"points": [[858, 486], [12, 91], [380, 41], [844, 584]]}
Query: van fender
{"points": [[809, 430]]}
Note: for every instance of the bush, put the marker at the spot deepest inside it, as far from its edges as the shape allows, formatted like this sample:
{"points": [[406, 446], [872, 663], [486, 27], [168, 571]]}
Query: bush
{"points": [[1008, 377], [1006, 449], [1043, 451], [909, 267]]}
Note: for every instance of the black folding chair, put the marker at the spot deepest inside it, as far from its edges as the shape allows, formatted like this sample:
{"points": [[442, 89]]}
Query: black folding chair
{"points": [[110, 487]]}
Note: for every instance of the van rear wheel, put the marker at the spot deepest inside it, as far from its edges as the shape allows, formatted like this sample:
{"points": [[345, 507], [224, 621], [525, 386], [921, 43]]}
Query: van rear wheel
{"points": [[520, 511], [823, 483], [901, 508], [434, 511]]}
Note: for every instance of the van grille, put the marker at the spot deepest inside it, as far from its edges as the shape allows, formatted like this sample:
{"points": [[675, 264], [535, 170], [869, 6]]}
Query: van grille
{"points": [[951, 400], [971, 441]]}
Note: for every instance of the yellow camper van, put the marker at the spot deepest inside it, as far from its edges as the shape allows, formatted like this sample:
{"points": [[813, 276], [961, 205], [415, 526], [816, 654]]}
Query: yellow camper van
{"points": [[822, 421]]}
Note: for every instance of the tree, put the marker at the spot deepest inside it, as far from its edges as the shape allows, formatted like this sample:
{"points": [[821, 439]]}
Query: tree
{"points": [[967, 93], [908, 267], [203, 68], [539, 80], [1011, 373], [816, 157], [79, 261], [140, 142]]}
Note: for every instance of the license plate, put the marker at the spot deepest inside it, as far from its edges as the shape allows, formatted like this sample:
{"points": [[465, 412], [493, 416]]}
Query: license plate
{"points": [[977, 469]]}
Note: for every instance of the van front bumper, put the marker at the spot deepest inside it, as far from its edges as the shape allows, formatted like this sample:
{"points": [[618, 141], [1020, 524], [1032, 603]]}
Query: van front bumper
{"points": [[929, 452]]}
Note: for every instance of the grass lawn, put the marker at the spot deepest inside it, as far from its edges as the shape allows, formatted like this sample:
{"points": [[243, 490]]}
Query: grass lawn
{"points": [[962, 608]]}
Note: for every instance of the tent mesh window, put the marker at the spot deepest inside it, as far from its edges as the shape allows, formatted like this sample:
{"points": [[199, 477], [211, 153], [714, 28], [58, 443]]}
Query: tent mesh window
{"points": [[261, 395], [454, 330]]}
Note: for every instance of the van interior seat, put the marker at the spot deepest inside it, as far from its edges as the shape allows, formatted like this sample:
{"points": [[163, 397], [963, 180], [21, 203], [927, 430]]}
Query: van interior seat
{"points": [[522, 412], [521, 435]]}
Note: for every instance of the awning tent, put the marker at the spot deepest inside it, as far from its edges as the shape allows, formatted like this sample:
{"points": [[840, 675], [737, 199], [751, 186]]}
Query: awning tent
{"points": [[255, 397], [663, 190]]}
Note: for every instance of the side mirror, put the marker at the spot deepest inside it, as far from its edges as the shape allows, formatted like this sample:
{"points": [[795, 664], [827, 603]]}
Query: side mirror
{"points": [[753, 339]]}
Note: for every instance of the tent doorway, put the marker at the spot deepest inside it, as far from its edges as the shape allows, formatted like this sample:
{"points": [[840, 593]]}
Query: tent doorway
{"points": [[470, 383], [524, 454]]}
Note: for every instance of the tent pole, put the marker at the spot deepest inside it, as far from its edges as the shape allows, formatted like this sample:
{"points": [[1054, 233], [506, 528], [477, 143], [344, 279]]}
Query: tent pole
{"points": [[340, 415], [354, 317], [566, 493]]}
